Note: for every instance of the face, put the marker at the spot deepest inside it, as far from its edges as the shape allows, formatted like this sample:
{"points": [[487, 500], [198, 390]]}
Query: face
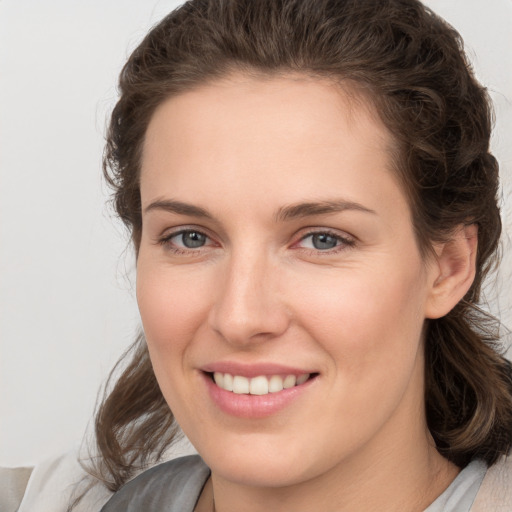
{"points": [[278, 258]]}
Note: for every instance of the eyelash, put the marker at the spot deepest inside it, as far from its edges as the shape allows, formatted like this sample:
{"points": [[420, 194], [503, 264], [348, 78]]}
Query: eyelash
{"points": [[165, 241], [343, 242]]}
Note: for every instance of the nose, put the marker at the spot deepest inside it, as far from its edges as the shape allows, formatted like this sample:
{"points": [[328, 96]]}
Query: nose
{"points": [[249, 305]]}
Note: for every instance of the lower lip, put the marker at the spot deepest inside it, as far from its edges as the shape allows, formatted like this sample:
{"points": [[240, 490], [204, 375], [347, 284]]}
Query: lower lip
{"points": [[253, 406]]}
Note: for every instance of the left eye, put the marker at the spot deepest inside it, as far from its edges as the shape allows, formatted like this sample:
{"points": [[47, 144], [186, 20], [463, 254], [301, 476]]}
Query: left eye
{"points": [[321, 241], [189, 239]]}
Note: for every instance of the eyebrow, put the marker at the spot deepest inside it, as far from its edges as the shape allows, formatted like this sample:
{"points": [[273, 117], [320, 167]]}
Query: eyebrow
{"points": [[178, 207], [309, 209], [285, 213]]}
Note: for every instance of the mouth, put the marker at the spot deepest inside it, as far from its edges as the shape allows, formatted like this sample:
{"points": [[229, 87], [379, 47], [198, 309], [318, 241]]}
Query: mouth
{"points": [[259, 385], [256, 391]]}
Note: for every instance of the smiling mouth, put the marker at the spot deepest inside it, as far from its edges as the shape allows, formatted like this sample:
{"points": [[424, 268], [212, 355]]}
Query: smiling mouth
{"points": [[261, 385]]}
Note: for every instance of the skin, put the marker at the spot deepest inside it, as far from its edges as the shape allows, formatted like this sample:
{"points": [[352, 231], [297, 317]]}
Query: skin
{"points": [[244, 149]]}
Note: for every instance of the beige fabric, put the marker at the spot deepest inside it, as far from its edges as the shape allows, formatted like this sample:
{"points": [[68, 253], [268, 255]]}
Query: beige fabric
{"points": [[495, 494], [13, 482], [57, 481]]}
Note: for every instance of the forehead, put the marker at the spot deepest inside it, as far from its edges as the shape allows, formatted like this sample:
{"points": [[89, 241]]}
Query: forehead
{"points": [[249, 131], [264, 107]]}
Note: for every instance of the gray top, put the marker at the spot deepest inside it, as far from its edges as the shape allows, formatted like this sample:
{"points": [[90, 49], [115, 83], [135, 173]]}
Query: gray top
{"points": [[175, 486], [461, 493]]}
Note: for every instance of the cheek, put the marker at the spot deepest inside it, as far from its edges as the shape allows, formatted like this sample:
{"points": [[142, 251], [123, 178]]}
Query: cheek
{"points": [[171, 306], [367, 321], [370, 327], [172, 310]]}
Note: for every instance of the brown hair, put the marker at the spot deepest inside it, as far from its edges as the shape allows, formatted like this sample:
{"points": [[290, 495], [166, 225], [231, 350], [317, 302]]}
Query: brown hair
{"points": [[411, 63]]}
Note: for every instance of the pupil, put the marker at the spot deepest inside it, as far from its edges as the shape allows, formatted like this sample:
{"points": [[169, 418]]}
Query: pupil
{"points": [[193, 239], [324, 241]]}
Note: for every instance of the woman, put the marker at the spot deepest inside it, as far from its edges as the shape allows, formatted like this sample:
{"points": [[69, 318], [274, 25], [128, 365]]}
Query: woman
{"points": [[312, 201]]}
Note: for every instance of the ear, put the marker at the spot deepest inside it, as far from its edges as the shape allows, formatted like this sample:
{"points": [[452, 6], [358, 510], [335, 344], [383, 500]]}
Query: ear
{"points": [[453, 271]]}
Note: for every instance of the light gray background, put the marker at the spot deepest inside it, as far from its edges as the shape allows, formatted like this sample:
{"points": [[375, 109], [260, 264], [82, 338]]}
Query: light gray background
{"points": [[67, 306]]}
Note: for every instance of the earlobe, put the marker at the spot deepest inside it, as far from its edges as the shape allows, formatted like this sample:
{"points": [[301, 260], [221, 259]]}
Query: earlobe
{"points": [[453, 271]]}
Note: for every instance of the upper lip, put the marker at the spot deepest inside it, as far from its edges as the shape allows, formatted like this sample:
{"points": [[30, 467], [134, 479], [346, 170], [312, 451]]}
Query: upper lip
{"points": [[252, 370]]}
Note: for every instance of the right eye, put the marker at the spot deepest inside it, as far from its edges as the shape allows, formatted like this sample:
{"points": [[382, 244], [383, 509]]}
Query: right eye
{"points": [[186, 239]]}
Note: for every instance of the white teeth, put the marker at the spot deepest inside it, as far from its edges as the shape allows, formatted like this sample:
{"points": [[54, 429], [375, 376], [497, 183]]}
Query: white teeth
{"points": [[228, 382], [275, 384], [289, 381], [260, 385], [240, 385], [219, 379], [302, 378]]}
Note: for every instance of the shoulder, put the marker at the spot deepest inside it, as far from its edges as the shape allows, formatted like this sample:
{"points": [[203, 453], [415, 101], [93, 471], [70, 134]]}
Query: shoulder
{"points": [[171, 486], [495, 493]]}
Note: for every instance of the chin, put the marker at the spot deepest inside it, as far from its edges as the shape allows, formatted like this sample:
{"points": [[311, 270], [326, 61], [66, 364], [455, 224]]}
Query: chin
{"points": [[259, 473], [262, 461]]}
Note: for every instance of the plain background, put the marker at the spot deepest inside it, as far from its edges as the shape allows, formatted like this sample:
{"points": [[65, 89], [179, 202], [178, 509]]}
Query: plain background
{"points": [[67, 306]]}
